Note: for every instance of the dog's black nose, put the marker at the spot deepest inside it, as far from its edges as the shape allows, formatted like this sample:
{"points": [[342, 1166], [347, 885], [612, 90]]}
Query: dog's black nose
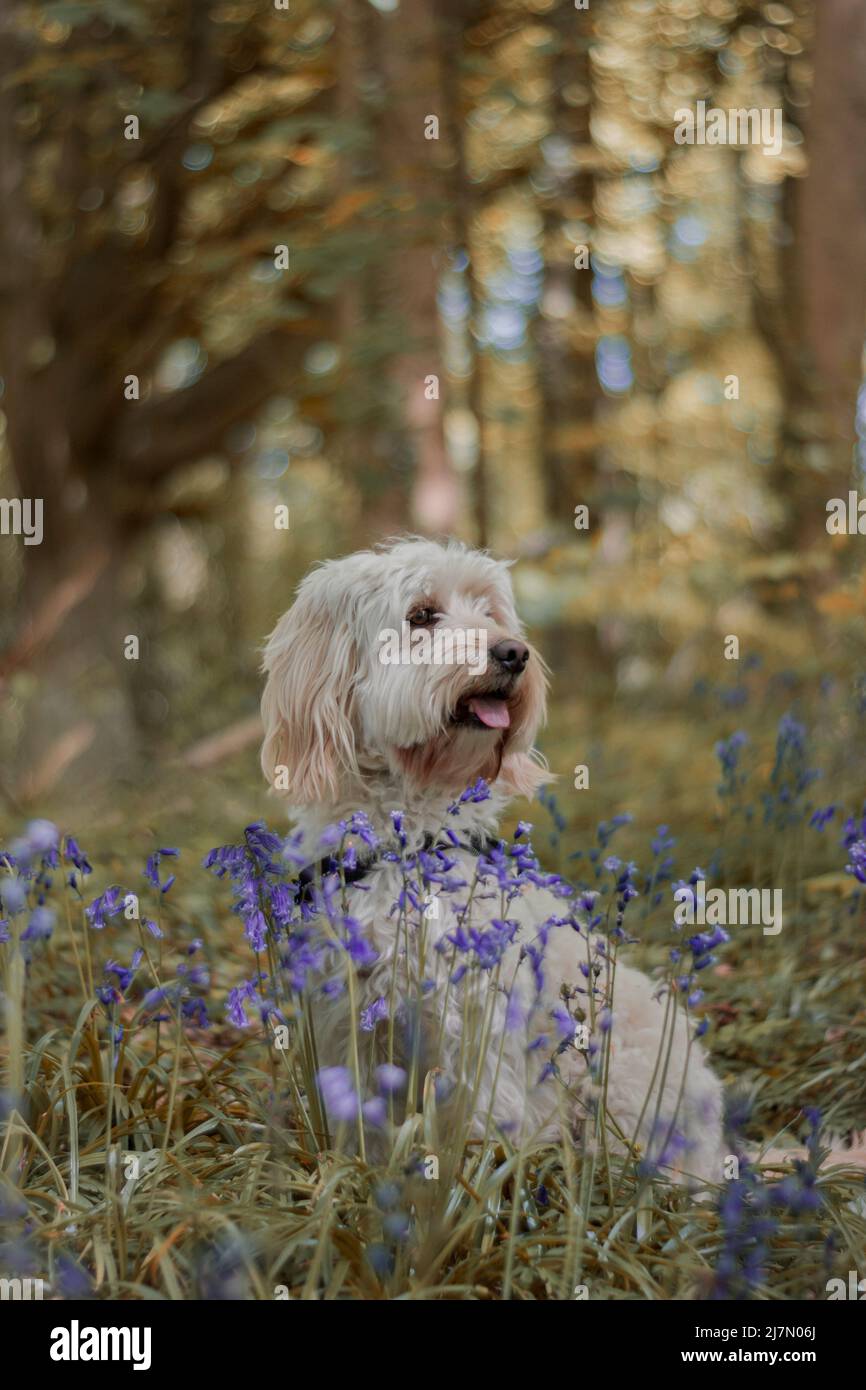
{"points": [[511, 655]]}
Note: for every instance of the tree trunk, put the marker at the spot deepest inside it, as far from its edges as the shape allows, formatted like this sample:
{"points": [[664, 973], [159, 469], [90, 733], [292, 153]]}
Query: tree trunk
{"points": [[832, 213], [70, 640], [565, 334], [457, 16], [412, 162]]}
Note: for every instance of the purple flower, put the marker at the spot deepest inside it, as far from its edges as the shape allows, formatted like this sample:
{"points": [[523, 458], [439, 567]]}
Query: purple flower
{"points": [[155, 998], [728, 751], [372, 1015], [375, 1112], [107, 905], [791, 734], [41, 836], [40, 926], [661, 841], [857, 860], [74, 854], [479, 791], [151, 868], [238, 997], [293, 851], [386, 1195], [357, 946], [360, 825], [515, 1014], [564, 1023], [123, 975], [70, 1280], [338, 1093], [390, 1078], [607, 829], [256, 929], [194, 975], [13, 895], [396, 1226], [704, 942], [331, 836], [195, 1012]]}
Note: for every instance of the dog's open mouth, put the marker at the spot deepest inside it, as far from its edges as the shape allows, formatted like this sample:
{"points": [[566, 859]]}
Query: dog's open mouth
{"points": [[487, 711]]}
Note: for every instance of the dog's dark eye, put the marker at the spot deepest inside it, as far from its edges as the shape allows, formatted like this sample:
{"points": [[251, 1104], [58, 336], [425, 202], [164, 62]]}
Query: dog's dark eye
{"points": [[422, 617]]}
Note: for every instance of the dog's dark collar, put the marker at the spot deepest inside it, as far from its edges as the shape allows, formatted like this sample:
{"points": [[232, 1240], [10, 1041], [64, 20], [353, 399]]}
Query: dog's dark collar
{"points": [[314, 873]]}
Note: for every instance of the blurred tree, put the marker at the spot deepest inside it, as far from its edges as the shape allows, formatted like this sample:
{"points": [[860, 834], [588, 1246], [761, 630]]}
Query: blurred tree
{"points": [[413, 160], [361, 400], [459, 17], [108, 249], [810, 297], [565, 328], [830, 235]]}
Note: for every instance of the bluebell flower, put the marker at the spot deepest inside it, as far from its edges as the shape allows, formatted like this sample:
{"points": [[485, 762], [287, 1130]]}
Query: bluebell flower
{"points": [[375, 1112], [360, 824], [74, 854], [123, 974], [248, 992], [390, 1078], [195, 1012], [106, 906], [857, 860], [159, 996], [386, 1195], [564, 1023], [71, 1280], [606, 830], [396, 1226], [41, 925], [151, 868], [478, 792], [358, 948], [338, 1093], [331, 836], [661, 842], [40, 836], [13, 894], [373, 1014], [515, 1014]]}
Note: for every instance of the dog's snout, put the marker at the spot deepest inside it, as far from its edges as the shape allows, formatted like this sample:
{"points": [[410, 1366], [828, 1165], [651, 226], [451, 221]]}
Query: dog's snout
{"points": [[511, 655]]}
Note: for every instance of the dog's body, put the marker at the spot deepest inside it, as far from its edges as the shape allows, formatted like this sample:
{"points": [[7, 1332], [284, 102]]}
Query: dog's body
{"points": [[506, 1090], [344, 733]]}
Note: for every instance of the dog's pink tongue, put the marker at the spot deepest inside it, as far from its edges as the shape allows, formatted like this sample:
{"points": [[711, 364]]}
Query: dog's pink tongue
{"points": [[493, 713]]}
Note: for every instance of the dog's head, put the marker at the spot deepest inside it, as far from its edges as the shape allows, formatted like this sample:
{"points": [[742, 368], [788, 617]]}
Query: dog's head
{"points": [[410, 660]]}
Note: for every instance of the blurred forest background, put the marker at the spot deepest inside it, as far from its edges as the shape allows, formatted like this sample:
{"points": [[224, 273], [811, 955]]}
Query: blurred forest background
{"points": [[433, 170]]}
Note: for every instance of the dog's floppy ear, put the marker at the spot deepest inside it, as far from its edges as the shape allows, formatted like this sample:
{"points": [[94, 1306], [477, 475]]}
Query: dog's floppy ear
{"points": [[310, 662]]}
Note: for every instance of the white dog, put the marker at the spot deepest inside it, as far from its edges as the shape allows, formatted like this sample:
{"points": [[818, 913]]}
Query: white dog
{"points": [[346, 731]]}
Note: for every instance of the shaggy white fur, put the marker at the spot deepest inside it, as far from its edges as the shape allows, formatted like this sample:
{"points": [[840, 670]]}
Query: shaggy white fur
{"points": [[345, 732]]}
